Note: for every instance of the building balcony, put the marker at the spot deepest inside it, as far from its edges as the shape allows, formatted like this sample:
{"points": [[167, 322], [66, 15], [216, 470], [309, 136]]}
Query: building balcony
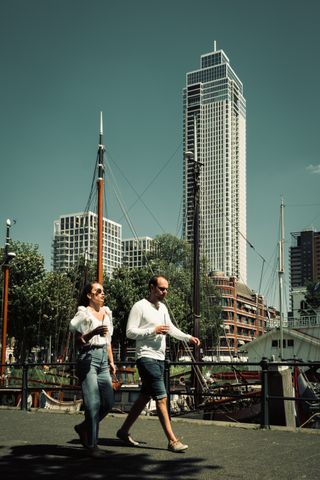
{"points": [[304, 322]]}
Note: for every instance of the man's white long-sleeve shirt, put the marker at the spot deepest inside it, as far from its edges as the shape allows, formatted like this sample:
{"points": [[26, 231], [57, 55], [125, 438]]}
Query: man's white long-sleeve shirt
{"points": [[143, 319]]}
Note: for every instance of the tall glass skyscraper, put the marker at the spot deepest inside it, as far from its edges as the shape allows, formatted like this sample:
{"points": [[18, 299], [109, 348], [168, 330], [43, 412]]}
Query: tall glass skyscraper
{"points": [[214, 106]]}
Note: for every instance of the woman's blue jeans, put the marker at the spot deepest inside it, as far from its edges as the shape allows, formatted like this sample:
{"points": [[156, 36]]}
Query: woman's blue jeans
{"points": [[98, 398]]}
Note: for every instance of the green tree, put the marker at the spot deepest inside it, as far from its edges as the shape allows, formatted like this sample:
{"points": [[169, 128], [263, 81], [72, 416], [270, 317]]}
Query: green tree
{"points": [[28, 265], [210, 313], [58, 306], [81, 273], [171, 257], [126, 287], [26, 274], [312, 296], [40, 303]]}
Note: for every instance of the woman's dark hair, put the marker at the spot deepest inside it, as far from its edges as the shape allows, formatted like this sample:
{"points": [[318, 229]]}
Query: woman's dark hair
{"points": [[84, 300]]}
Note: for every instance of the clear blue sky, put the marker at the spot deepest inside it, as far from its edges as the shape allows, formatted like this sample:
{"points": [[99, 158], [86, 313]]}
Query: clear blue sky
{"points": [[62, 61]]}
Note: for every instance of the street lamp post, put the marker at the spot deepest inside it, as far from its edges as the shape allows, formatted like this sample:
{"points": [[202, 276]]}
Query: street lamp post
{"points": [[7, 257]]}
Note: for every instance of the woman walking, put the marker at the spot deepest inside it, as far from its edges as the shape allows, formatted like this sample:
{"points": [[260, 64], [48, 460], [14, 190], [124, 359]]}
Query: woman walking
{"points": [[93, 329]]}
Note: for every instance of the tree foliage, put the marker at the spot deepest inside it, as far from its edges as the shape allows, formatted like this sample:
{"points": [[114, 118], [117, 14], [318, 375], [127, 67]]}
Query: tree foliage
{"points": [[312, 295], [57, 307], [42, 303], [28, 265], [174, 257], [81, 273], [126, 287], [171, 257], [39, 302]]}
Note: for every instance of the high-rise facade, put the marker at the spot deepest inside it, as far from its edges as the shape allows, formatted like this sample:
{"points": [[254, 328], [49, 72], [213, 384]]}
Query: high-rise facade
{"points": [[215, 115], [304, 264], [75, 237], [304, 258], [135, 251]]}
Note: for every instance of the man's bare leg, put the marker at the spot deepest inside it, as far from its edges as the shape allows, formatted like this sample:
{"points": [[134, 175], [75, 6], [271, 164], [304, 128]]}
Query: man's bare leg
{"points": [[164, 418], [134, 413]]}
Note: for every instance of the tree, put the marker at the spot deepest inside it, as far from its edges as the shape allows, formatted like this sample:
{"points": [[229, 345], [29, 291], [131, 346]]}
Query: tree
{"points": [[40, 303], [126, 287], [171, 257], [81, 273], [26, 274], [58, 306], [28, 265], [312, 296], [210, 312]]}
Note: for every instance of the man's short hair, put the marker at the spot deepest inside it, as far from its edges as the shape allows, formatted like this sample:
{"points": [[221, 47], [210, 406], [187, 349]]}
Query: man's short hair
{"points": [[153, 282]]}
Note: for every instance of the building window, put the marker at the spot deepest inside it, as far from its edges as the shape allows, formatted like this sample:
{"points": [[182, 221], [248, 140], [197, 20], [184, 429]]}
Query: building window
{"points": [[274, 343]]}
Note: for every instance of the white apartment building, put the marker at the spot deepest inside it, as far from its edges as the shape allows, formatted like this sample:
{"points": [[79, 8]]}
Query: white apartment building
{"points": [[135, 251], [75, 236], [213, 101]]}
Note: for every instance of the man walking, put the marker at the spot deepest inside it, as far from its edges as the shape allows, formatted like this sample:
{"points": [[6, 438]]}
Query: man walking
{"points": [[149, 322]]}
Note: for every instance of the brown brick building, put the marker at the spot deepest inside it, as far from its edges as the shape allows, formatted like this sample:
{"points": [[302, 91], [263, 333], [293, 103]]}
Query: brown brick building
{"points": [[245, 316]]}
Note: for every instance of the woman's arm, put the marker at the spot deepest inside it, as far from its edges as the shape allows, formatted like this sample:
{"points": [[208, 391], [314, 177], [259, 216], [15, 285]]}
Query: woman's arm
{"points": [[82, 339], [113, 368]]}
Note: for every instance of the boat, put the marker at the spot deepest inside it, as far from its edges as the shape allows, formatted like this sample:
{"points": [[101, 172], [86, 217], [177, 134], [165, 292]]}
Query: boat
{"points": [[50, 403], [307, 387]]}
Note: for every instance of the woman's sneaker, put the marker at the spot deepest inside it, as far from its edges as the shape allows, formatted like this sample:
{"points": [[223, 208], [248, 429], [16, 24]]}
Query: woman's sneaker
{"points": [[176, 446]]}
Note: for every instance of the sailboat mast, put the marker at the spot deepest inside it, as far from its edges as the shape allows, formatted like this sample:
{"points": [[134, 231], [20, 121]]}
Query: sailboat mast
{"points": [[100, 185], [281, 275], [196, 244], [192, 156]]}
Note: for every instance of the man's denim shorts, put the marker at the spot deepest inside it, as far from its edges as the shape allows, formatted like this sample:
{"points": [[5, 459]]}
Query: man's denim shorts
{"points": [[151, 372]]}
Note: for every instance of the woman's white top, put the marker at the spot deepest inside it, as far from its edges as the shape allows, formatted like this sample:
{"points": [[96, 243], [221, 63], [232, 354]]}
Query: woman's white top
{"points": [[84, 322]]}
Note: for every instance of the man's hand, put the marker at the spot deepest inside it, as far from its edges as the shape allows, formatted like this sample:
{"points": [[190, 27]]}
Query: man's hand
{"points": [[162, 329], [195, 341]]}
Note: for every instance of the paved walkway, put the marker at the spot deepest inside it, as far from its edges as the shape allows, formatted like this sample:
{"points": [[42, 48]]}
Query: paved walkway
{"points": [[41, 444]]}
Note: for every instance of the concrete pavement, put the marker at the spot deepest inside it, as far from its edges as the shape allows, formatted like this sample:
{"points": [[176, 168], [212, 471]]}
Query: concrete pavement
{"points": [[42, 444]]}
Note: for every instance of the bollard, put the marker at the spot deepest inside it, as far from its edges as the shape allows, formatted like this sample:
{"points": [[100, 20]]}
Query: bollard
{"points": [[167, 384], [264, 393], [24, 396]]}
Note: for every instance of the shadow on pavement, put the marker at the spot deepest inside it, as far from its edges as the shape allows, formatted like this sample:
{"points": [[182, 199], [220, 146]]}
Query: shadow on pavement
{"points": [[53, 461]]}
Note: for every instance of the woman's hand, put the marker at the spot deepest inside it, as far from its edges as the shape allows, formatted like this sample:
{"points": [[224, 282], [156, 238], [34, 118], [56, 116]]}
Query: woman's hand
{"points": [[102, 330], [113, 368]]}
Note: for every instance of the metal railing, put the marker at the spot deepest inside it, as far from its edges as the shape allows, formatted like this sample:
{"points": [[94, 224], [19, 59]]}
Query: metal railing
{"points": [[265, 367]]}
